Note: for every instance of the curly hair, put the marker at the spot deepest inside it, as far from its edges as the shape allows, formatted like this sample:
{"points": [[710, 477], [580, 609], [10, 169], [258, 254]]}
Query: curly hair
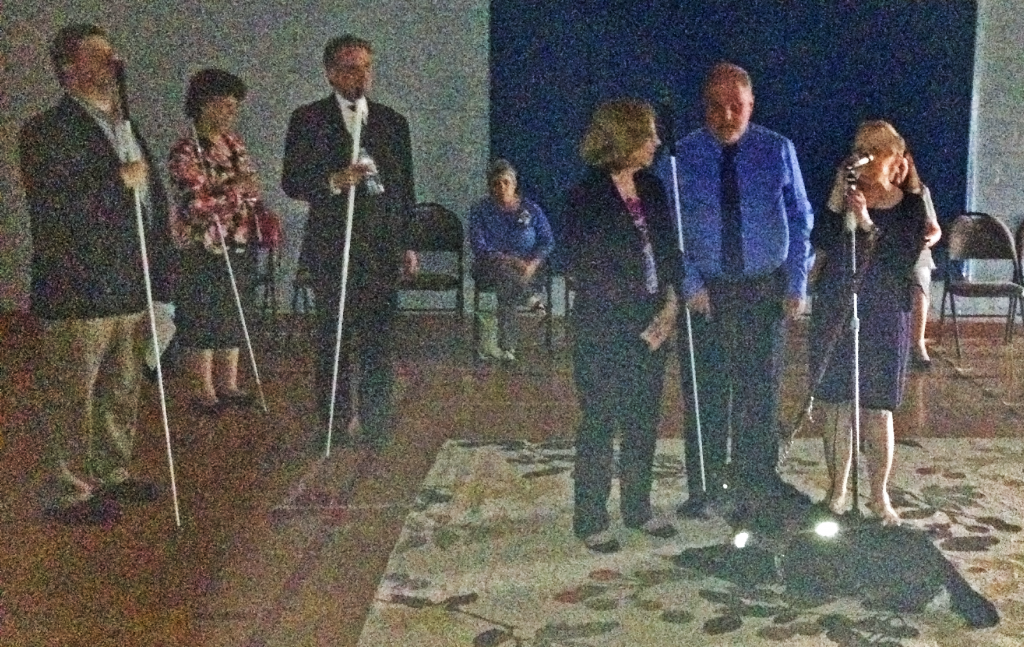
{"points": [[209, 84]]}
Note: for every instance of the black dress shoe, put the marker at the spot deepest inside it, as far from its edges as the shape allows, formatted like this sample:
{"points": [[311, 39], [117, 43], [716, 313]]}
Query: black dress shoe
{"points": [[920, 364], [602, 542], [94, 511], [698, 506], [376, 442], [205, 407], [131, 491], [658, 528]]}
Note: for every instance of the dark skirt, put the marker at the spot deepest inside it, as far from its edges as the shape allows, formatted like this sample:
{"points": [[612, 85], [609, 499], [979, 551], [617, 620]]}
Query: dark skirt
{"points": [[884, 346], [206, 314]]}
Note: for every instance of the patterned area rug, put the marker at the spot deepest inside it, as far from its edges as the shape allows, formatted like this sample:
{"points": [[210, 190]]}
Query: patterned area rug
{"points": [[487, 557]]}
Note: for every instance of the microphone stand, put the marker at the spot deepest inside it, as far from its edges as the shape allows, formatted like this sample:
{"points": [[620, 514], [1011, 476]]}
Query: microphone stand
{"points": [[835, 333], [851, 227], [147, 279], [357, 129], [231, 277]]}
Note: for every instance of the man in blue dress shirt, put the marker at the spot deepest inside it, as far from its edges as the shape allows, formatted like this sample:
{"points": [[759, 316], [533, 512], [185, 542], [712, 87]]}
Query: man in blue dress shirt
{"points": [[746, 223]]}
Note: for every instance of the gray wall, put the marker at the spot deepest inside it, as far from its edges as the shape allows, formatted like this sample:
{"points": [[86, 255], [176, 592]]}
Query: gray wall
{"points": [[995, 182], [996, 173], [431, 65]]}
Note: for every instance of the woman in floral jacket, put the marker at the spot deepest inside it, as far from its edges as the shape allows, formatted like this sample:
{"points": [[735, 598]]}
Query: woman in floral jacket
{"points": [[217, 194]]}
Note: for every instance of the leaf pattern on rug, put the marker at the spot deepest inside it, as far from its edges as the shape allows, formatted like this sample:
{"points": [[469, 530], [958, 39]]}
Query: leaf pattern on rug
{"points": [[487, 558]]}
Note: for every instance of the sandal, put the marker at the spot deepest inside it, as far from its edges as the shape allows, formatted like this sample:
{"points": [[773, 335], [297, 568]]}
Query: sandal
{"points": [[238, 398]]}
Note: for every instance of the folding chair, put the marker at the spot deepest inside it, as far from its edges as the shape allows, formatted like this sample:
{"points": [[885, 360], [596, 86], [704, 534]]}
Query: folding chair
{"points": [[980, 236]]}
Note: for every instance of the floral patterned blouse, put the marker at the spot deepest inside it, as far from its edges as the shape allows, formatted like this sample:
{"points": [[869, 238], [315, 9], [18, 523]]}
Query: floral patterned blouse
{"points": [[207, 189]]}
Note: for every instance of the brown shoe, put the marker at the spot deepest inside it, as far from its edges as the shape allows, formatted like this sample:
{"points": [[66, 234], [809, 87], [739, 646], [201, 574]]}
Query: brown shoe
{"points": [[240, 399], [131, 491]]}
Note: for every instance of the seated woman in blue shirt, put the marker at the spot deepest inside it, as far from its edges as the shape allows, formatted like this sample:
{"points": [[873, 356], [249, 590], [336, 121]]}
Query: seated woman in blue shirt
{"points": [[511, 238]]}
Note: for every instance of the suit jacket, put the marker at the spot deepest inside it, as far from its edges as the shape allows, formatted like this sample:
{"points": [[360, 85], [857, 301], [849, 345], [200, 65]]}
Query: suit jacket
{"points": [[86, 252], [604, 251], [318, 144]]}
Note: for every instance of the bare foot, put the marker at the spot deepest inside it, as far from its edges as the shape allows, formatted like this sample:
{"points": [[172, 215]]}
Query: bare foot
{"points": [[885, 512], [837, 504], [836, 501]]}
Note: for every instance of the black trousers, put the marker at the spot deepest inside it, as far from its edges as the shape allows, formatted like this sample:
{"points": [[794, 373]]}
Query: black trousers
{"points": [[367, 340], [619, 383], [738, 353]]}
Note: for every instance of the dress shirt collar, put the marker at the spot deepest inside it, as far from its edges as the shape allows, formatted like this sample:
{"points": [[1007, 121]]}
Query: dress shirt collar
{"points": [[736, 145], [348, 110]]}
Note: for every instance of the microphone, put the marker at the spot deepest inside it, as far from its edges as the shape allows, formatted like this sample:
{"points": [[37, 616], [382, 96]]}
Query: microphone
{"points": [[853, 163]]}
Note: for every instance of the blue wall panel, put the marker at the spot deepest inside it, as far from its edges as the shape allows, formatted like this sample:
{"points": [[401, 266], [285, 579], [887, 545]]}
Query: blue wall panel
{"points": [[819, 68]]}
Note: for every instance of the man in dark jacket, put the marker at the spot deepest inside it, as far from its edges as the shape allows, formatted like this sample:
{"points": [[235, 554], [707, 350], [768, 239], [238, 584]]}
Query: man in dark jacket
{"points": [[82, 167], [319, 169]]}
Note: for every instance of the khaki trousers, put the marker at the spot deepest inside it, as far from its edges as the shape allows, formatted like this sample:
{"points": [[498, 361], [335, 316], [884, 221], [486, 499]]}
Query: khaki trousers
{"points": [[91, 388]]}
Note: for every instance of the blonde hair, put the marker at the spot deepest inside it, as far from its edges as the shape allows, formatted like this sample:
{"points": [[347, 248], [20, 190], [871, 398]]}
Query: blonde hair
{"points": [[911, 181], [617, 129], [878, 137]]}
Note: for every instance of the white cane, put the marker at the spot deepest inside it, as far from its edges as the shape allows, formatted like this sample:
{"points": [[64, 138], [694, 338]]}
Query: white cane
{"points": [[147, 280], [689, 326], [357, 129], [140, 223], [234, 285]]}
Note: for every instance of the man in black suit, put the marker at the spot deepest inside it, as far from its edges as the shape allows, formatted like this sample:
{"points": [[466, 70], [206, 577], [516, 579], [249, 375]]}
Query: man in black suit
{"points": [[81, 166], [318, 169]]}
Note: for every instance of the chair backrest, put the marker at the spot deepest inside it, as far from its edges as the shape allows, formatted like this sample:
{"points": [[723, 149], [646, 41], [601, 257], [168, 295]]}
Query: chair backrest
{"points": [[981, 236], [1018, 241], [437, 228]]}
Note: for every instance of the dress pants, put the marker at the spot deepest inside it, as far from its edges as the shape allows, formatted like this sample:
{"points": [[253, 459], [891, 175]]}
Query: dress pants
{"points": [[619, 384], [738, 353], [367, 340], [92, 389]]}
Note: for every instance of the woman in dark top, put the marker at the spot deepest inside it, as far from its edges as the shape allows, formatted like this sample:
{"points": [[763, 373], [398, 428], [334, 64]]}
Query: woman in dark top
{"points": [[216, 187], [621, 255], [891, 224]]}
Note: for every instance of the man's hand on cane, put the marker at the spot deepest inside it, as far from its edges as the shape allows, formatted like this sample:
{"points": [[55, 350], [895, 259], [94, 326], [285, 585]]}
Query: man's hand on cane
{"points": [[135, 174]]}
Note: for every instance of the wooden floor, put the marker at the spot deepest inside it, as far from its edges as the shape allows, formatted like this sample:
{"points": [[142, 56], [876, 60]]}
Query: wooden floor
{"points": [[257, 560]]}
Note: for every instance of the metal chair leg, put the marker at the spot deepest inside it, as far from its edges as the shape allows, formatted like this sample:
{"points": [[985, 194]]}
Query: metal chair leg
{"points": [[956, 326], [942, 313]]}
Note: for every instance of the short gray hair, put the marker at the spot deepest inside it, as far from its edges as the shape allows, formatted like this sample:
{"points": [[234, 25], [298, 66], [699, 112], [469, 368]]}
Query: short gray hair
{"points": [[725, 72], [498, 168]]}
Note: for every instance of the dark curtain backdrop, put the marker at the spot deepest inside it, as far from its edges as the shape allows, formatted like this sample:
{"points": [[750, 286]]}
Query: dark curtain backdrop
{"points": [[819, 68]]}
